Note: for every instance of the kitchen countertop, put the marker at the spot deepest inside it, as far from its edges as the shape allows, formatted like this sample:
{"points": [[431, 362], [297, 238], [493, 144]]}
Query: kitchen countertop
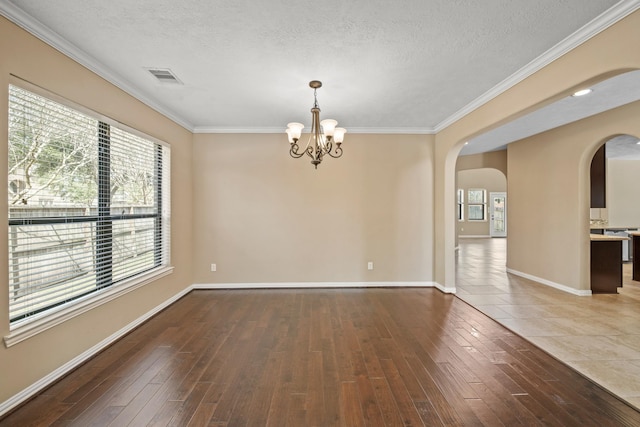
{"points": [[608, 227], [606, 237]]}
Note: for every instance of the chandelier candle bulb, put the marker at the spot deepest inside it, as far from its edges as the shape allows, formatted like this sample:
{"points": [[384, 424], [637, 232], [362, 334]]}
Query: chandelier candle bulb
{"points": [[294, 130], [324, 138], [328, 127]]}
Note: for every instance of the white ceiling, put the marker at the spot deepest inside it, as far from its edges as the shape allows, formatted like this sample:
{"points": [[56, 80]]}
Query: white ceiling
{"points": [[387, 66], [623, 147], [608, 94]]}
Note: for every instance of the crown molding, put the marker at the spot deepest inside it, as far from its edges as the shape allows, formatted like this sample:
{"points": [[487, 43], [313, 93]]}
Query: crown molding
{"points": [[53, 39], [592, 28], [221, 129], [595, 26], [396, 131]]}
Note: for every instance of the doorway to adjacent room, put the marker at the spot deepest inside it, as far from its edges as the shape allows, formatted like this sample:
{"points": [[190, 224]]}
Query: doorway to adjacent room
{"points": [[498, 214]]}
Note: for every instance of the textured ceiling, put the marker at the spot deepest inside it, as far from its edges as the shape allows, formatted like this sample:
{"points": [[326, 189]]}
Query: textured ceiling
{"points": [[611, 93], [386, 66], [623, 147]]}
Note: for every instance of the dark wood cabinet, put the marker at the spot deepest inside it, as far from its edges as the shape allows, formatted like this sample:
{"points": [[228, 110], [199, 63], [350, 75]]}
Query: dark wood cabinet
{"points": [[635, 239], [599, 179], [606, 266]]}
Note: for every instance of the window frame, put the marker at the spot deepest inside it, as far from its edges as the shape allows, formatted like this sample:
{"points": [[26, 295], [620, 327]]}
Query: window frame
{"points": [[105, 289], [460, 204], [475, 204]]}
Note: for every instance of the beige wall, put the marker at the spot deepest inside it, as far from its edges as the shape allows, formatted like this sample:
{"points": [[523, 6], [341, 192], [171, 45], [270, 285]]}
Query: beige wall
{"points": [[492, 159], [610, 52], [491, 180], [549, 195], [28, 58], [623, 192], [264, 217], [390, 199]]}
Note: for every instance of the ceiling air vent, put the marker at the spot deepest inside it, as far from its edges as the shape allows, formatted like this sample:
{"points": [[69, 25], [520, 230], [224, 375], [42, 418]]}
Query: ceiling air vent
{"points": [[164, 75]]}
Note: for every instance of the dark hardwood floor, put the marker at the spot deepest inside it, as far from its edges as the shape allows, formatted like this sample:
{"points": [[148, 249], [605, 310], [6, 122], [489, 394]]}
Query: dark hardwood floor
{"points": [[354, 357]]}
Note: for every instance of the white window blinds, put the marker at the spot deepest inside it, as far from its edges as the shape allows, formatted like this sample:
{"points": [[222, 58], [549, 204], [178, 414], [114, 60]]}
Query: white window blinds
{"points": [[88, 204]]}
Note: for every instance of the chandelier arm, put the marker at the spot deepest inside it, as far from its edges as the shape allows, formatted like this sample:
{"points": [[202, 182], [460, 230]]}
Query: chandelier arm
{"points": [[293, 151], [327, 146], [310, 152], [337, 151]]}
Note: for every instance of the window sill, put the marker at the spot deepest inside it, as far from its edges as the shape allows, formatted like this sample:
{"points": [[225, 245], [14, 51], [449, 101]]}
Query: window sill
{"points": [[30, 327]]}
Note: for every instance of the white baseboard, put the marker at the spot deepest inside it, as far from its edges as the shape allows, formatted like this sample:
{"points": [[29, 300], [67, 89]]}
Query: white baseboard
{"points": [[313, 285], [472, 236], [445, 289], [49, 379], [578, 292]]}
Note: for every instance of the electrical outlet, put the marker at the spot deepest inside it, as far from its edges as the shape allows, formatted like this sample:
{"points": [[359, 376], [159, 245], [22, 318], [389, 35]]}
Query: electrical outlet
{"points": [[370, 265], [213, 267]]}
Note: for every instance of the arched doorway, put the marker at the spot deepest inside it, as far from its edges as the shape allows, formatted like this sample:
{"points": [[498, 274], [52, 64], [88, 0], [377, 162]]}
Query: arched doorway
{"points": [[475, 212], [549, 220], [614, 212], [549, 216], [622, 192]]}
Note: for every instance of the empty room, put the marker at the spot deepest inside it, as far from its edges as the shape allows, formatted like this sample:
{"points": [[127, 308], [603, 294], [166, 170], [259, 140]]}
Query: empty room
{"points": [[312, 214]]}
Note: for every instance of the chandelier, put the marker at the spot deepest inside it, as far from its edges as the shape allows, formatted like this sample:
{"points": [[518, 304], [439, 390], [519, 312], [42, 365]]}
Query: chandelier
{"points": [[325, 137]]}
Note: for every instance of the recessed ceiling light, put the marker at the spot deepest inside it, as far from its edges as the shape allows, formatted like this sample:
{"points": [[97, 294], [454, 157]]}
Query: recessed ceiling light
{"points": [[583, 92], [467, 143]]}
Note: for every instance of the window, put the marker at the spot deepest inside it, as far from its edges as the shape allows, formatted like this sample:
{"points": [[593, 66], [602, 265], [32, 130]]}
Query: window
{"points": [[460, 205], [477, 204], [88, 204]]}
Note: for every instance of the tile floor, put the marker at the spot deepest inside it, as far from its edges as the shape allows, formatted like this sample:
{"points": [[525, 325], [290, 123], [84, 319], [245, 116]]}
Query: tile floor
{"points": [[597, 335]]}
